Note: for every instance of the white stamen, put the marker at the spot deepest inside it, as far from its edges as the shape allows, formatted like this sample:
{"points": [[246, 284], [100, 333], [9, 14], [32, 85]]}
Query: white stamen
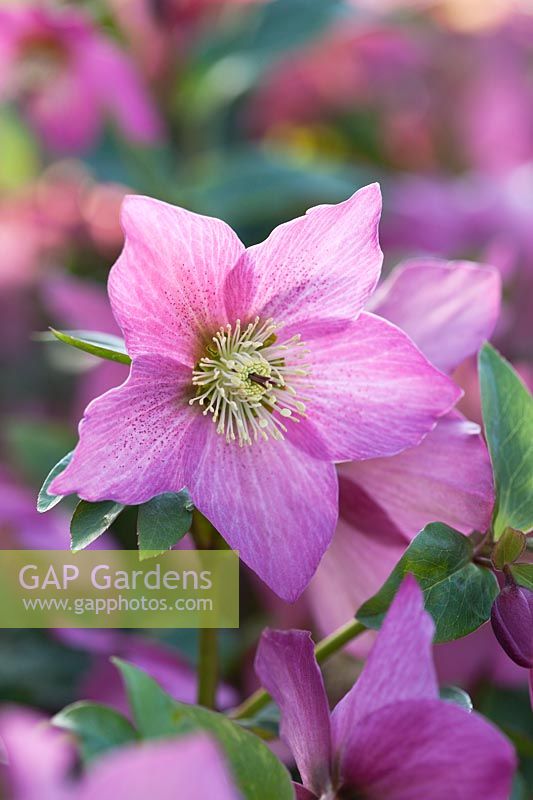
{"points": [[248, 381]]}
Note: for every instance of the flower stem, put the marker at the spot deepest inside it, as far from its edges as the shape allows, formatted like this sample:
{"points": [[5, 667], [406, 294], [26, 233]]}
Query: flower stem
{"points": [[205, 538], [336, 640], [208, 667], [323, 650]]}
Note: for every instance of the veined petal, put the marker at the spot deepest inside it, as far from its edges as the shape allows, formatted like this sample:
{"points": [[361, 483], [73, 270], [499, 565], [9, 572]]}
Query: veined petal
{"points": [[372, 391], [399, 667], [287, 667], [428, 748], [270, 502], [166, 287], [133, 439], [448, 478], [191, 768], [326, 264], [447, 308], [357, 563]]}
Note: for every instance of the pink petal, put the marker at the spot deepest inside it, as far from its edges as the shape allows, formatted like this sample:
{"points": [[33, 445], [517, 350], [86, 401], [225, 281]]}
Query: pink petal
{"points": [[373, 393], [287, 667], [39, 757], [190, 768], [399, 667], [325, 264], [475, 658], [428, 749], [447, 478], [111, 76], [270, 502], [447, 308], [356, 564], [166, 287], [133, 439], [302, 793]]}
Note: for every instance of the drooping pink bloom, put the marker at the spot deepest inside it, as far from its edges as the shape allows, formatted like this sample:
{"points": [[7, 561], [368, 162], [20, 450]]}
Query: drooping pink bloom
{"points": [[390, 736], [253, 372], [448, 309], [39, 759], [68, 77]]}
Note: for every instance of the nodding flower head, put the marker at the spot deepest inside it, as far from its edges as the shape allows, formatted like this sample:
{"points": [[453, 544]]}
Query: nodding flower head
{"points": [[253, 372]]}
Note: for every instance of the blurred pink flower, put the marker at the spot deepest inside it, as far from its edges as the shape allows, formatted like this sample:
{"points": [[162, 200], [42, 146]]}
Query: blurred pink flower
{"points": [[102, 683], [39, 760], [353, 66], [21, 244], [390, 736], [475, 214], [21, 525], [68, 77], [254, 341], [448, 309]]}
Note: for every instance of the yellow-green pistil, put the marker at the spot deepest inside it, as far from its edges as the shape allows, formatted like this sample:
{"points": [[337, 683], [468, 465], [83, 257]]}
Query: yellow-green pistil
{"points": [[250, 383]]}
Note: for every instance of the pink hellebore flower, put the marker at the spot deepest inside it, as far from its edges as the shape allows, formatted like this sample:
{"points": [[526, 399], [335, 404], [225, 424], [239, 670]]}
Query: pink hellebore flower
{"points": [[68, 77], [39, 759], [390, 736], [448, 309], [253, 372]]}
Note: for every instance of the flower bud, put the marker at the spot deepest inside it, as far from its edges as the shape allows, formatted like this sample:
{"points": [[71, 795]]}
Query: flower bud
{"points": [[512, 623]]}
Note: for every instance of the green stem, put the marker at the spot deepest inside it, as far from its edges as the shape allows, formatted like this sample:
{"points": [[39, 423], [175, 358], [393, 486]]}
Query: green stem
{"points": [[204, 535], [323, 650], [336, 640], [208, 667]]}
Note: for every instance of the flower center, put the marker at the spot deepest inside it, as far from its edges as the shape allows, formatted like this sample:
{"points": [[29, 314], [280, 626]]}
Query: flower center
{"points": [[250, 382]]}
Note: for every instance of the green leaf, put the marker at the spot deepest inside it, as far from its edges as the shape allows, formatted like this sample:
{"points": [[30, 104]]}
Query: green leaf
{"points": [[256, 770], [46, 501], [163, 521], [97, 728], [508, 419], [457, 593], [20, 161], [229, 61], [453, 694], [523, 574], [90, 520], [103, 345], [508, 548]]}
